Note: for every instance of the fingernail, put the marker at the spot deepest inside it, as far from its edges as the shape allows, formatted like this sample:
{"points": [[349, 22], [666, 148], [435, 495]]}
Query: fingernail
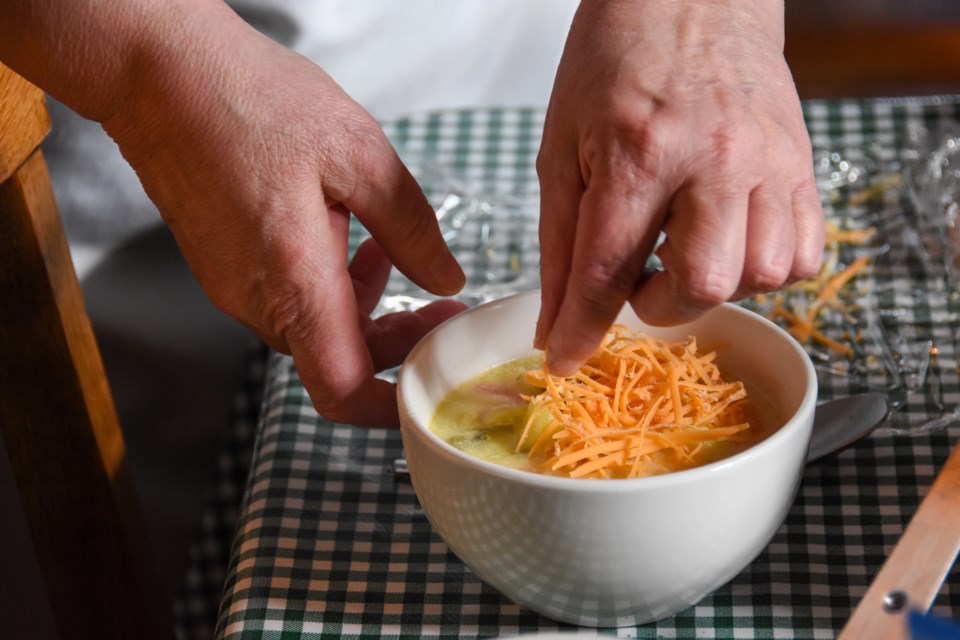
{"points": [[448, 274]]}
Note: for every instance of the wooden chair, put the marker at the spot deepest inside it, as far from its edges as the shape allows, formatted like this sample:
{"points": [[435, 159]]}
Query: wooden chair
{"points": [[866, 48], [57, 418]]}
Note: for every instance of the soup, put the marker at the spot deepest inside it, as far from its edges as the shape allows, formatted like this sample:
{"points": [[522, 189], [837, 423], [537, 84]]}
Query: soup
{"points": [[638, 407]]}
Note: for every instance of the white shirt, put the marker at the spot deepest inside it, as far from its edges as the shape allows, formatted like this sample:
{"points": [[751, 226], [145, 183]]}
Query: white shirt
{"points": [[396, 57]]}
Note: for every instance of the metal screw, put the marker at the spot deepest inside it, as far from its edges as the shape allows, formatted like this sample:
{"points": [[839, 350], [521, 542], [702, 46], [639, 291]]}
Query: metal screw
{"points": [[895, 601]]}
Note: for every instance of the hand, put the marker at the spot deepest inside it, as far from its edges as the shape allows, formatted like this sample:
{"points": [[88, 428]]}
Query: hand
{"points": [[255, 158], [679, 117]]}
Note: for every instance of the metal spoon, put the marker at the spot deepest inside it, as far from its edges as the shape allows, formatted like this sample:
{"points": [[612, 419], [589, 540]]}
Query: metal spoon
{"points": [[836, 425], [839, 423]]}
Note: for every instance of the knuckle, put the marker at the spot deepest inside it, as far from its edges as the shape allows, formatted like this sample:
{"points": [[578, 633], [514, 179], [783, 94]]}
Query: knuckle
{"points": [[650, 141], [766, 277], [285, 315], [333, 409], [652, 137], [335, 393], [642, 141], [280, 299], [354, 160], [709, 287], [603, 282], [341, 398], [806, 266]]}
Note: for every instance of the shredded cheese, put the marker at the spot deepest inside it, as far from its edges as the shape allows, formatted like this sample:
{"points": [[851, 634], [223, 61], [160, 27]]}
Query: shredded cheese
{"points": [[634, 402], [823, 290]]}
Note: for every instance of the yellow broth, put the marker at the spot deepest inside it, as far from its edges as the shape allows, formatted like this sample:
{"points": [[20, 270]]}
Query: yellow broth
{"points": [[485, 416]]}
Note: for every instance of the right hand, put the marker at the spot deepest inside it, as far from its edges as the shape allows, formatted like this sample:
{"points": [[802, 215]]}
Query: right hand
{"points": [[680, 117]]}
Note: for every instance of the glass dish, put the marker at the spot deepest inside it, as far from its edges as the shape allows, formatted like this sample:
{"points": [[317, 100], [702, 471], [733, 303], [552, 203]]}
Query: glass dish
{"points": [[882, 315]]}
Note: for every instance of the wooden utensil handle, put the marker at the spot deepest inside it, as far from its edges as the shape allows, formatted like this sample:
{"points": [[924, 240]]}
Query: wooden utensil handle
{"points": [[911, 577]]}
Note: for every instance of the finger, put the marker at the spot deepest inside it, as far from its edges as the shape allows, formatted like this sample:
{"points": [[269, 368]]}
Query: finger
{"points": [[339, 225], [314, 311], [369, 270], [618, 223], [560, 193], [338, 228], [336, 368], [703, 256], [390, 337], [770, 247], [808, 220], [383, 195]]}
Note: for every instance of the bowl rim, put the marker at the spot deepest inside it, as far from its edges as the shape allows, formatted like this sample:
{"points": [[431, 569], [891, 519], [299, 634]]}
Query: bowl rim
{"points": [[651, 483]]}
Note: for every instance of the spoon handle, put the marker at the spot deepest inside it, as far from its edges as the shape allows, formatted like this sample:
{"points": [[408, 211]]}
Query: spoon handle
{"points": [[913, 573]]}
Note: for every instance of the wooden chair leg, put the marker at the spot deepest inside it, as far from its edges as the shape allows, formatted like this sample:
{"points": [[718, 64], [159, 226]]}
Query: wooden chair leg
{"points": [[60, 429]]}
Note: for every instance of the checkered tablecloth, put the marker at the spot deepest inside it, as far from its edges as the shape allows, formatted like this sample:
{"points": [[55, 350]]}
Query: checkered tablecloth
{"points": [[330, 545]]}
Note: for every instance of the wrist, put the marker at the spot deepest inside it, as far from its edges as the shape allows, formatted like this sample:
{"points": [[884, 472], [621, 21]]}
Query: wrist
{"points": [[760, 19], [168, 61], [177, 72]]}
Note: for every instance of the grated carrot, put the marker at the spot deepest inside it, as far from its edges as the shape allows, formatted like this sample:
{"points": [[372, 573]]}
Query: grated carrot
{"points": [[801, 305], [803, 326], [835, 284], [636, 400]]}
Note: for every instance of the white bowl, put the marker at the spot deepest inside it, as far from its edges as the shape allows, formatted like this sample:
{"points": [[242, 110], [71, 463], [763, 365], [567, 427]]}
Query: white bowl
{"points": [[605, 552]]}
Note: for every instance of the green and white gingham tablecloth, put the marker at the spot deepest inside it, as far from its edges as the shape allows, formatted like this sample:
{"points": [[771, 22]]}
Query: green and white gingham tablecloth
{"points": [[330, 545]]}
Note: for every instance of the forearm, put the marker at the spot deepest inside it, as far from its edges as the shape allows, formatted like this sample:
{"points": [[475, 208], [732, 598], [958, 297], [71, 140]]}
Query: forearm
{"points": [[93, 55]]}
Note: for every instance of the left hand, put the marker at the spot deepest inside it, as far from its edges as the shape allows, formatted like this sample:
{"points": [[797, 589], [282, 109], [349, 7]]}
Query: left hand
{"points": [[677, 116], [390, 337]]}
